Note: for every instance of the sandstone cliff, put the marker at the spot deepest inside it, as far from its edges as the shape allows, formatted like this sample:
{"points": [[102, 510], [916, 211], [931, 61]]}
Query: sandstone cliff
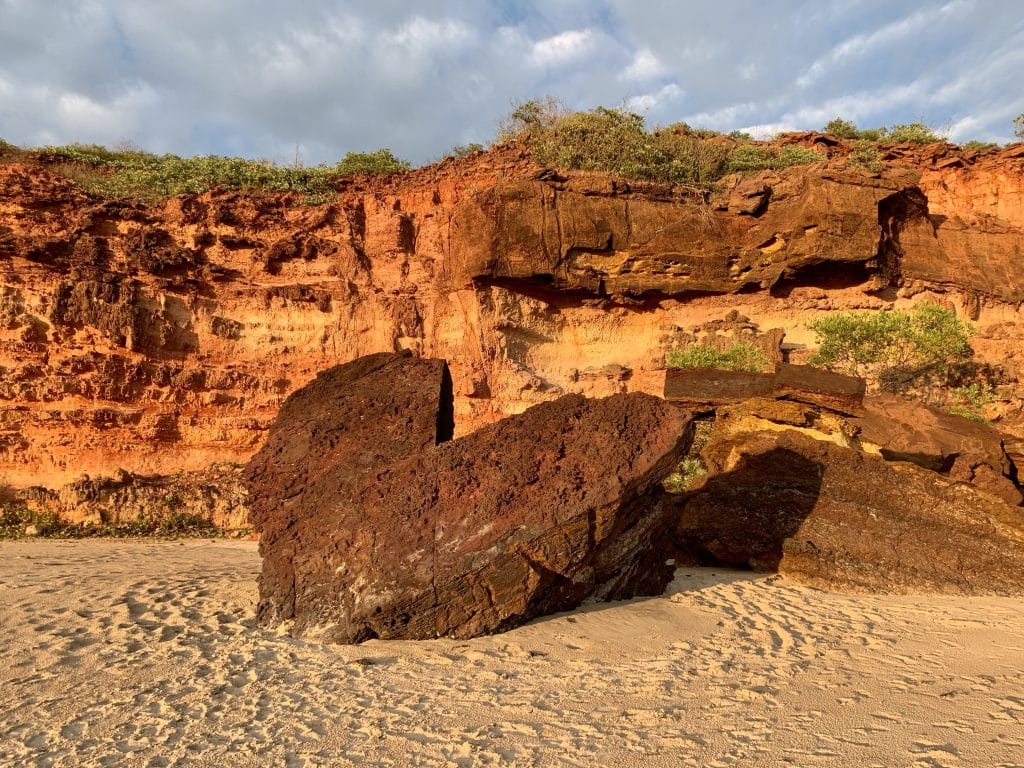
{"points": [[163, 338]]}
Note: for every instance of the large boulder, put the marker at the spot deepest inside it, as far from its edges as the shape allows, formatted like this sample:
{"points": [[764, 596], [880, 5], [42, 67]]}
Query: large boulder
{"points": [[824, 513], [527, 516], [346, 424]]}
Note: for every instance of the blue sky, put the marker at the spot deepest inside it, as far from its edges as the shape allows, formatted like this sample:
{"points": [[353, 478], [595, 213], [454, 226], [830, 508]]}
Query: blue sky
{"points": [[260, 78]]}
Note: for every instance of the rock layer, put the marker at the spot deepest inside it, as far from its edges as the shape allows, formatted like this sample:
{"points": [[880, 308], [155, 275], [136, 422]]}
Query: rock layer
{"points": [[524, 517], [158, 338]]}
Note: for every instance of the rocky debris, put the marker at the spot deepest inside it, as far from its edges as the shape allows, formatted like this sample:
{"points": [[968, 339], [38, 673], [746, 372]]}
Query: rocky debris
{"points": [[903, 430], [789, 489], [368, 533], [215, 495], [704, 389]]}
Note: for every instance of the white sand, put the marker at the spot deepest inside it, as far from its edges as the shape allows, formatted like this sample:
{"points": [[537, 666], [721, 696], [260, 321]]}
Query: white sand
{"points": [[145, 654]]}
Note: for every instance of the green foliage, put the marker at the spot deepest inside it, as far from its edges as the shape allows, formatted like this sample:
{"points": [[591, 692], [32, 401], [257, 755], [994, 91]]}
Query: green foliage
{"points": [[742, 356], [866, 155], [137, 174], [843, 129], [981, 146], [1018, 126], [898, 349], [970, 401], [531, 119], [916, 133], [6, 148], [615, 141], [754, 157], [18, 521], [686, 473], [740, 136], [846, 129]]}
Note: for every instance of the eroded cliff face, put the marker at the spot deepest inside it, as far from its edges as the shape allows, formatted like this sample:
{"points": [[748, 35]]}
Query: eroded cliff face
{"points": [[157, 339]]}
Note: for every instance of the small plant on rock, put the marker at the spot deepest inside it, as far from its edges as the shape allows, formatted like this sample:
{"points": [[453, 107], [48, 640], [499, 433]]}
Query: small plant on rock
{"points": [[742, 356]]}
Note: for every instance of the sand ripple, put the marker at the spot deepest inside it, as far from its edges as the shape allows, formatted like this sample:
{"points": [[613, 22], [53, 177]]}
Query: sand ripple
{"points": [[145, 654]]}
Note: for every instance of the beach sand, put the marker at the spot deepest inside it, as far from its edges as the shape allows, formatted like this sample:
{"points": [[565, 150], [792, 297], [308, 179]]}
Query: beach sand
{"points": [[145, 653]]}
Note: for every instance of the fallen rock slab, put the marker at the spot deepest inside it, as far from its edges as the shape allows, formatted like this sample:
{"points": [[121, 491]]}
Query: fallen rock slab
{"points": [[837, 518], [528, 516], [903, 430], [705, 389]]}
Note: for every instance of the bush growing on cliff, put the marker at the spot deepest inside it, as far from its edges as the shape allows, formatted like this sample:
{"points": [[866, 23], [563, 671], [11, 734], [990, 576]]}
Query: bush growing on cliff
{"points": [[742, 356], [897, 349], [918, 132], [970, 401], [1018, 126], [617, 141], [753, 157], [137, 174]]}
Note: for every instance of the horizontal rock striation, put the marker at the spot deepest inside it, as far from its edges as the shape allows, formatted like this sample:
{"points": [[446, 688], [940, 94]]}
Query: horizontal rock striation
{"points": [[162, 337]]}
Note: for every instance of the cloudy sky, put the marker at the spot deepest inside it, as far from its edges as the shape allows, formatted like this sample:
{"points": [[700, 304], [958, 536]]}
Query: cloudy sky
{"points": [[262, 77]]}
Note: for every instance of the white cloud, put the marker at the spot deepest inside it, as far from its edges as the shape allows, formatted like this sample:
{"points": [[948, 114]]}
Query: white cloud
{"points": [[256, 77], [563, 48], [864, 43], [645, 66], [420, 36], [648, 102]]}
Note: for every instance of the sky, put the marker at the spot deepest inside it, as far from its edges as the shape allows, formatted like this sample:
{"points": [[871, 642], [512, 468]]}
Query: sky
{"points": [[315, 79]]}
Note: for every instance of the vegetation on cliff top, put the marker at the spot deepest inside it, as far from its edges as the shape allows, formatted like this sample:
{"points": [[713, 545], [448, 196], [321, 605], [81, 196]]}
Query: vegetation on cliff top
{"points": [[617, 141], [614, 141], [133, 173]]}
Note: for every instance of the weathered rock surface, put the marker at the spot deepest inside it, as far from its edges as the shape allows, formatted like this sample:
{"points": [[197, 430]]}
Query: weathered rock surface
{"points": [[524, 517], [158, 338], [972, 452], [215, 495], [805, 501], [705, 389]]}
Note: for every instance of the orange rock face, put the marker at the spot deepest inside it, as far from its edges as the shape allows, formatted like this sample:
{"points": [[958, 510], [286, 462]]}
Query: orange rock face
{"points": [[163, 338]]}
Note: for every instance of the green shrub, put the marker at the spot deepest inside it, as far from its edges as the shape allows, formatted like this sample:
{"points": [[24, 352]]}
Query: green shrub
{"points": [[740, 136], [842, 129], [134, 173], [981, 146], [6, 148], [969, 401], [686, 473], [865, 155], [742, 356], [1018, 126], [898, 349], [916, 133], [757, 157], [615, 141]]}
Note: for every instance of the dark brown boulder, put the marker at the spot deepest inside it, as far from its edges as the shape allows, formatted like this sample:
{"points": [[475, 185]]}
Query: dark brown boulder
{"points": [[346, 424], [525, 517], [834, 517]]}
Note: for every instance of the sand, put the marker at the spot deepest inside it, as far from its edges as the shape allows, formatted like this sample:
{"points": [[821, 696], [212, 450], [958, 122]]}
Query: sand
{"points": [[145, 653]]}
